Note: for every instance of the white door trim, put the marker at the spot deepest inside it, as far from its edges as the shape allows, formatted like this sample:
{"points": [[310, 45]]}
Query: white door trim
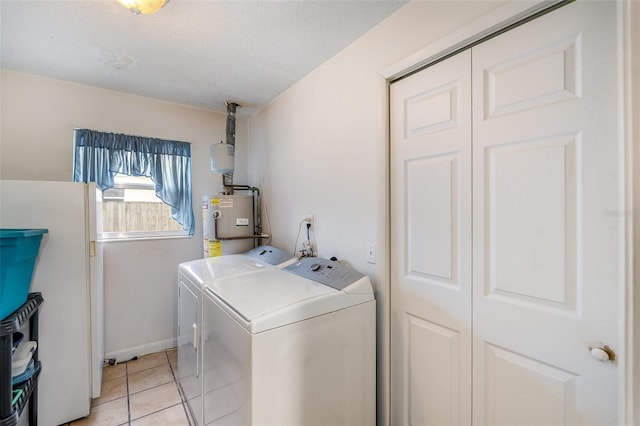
{"points": [[629, 29], [629, 381]]}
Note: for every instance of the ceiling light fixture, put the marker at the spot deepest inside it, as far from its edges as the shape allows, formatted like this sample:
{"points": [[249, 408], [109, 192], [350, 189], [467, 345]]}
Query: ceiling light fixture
{"points": [[143, 6]]}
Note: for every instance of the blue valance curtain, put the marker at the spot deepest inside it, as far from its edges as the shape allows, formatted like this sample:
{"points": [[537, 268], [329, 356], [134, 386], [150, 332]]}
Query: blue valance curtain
{"points": [[98, 156]]}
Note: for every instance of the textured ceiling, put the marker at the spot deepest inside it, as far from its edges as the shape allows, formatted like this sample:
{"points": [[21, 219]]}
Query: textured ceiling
{"points": [[200, 53]]}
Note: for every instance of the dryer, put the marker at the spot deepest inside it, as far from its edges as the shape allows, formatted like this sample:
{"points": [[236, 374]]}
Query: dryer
{"points": [[290, 347], [193, 277]]}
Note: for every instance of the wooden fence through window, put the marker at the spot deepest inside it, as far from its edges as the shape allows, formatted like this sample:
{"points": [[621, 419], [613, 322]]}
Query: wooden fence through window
{"points": [[118, 216]]}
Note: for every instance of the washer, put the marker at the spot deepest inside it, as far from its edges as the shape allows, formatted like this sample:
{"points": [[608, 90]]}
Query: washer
{"points": [[290, 347], [193, 277]]}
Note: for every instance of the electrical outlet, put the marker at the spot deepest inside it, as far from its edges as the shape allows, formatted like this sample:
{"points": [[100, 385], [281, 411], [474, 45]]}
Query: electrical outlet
{"points": [[308, 219], [371, 253]]}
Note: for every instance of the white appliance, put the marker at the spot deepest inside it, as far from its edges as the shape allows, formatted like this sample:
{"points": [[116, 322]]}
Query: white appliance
{"points": [[290, 347], [193, 277], [69, 275]]}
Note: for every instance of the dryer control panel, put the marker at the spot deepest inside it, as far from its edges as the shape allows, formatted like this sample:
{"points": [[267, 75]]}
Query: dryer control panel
{"points": [[269, 255], [324, 271]]}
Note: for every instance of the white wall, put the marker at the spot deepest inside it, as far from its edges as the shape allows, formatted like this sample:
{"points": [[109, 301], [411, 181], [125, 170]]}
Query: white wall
{"points": [[320, 148], [36, 140], [633, 127]]}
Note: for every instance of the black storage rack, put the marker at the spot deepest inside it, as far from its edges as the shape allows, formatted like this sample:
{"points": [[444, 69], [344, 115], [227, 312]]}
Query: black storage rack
{"points": [[10, 413]]}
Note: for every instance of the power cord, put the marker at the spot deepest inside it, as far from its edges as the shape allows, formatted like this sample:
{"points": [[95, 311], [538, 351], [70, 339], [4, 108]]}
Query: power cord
{"points": [[307, 246], [266, 216]]}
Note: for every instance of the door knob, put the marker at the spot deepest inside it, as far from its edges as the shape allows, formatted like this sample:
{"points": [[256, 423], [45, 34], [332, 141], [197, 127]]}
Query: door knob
{"points": [[603, 353]]}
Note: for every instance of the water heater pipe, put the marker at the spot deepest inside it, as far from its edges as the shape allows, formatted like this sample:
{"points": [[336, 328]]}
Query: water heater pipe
{"points": [[227, 178], [257, 224], [246, 237]]}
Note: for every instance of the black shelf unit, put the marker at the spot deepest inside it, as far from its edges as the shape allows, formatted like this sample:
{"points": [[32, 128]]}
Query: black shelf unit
{"points": [[10, 413]]}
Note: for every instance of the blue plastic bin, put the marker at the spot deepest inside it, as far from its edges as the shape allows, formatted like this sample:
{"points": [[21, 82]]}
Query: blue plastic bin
{"points": [[18, 252]]}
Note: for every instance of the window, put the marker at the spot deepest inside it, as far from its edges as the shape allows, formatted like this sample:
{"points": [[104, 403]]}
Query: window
{"points": [[132, 209], [145, 182]]}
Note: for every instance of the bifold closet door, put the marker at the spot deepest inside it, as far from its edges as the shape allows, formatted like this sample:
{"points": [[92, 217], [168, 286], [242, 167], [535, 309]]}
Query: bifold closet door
{"points": [[431, 245], [547, 243]]}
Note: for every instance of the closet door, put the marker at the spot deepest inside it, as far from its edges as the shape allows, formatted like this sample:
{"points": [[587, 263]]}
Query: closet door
{"points": [[431, 245], [547, 220]]}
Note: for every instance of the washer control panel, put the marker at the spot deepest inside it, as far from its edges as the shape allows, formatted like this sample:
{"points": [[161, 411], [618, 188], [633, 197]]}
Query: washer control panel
{"points": [[270, 255], [324, 271]]}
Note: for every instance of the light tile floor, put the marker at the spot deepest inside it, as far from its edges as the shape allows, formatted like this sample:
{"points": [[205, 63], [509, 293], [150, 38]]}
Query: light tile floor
{"points": [[139, 392]]}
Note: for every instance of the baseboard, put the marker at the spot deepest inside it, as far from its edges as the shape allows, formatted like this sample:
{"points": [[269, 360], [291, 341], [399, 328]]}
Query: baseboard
{"points": [[127, 354]]}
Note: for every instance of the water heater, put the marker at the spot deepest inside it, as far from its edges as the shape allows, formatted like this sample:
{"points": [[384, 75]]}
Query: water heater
{"points": [[228, 224]]}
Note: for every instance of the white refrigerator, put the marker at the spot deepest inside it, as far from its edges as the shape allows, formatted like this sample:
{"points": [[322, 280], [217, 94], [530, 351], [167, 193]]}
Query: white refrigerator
{"points": [[68, 273]]}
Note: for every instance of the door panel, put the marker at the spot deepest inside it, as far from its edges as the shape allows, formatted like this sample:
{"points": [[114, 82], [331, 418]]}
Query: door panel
{"points": [[550, 392], [552, 73], [529, 213], [546, 257], [431, 245], [226, 367], [188, 368], [433, 388]]}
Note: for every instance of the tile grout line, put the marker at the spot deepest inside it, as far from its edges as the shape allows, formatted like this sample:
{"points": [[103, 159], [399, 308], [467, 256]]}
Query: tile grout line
{"points": [[126, 369], [175, 381]]}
